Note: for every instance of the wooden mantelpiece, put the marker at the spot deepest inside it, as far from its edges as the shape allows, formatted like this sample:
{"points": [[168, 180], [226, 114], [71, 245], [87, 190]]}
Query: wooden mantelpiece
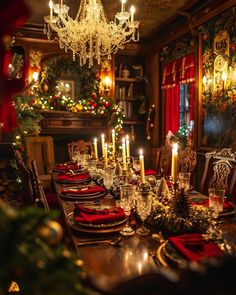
{"points": [[63, 122]]}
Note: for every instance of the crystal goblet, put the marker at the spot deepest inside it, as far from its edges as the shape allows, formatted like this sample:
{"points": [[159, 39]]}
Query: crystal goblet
{"points": [[126, 202], [144, 207]]}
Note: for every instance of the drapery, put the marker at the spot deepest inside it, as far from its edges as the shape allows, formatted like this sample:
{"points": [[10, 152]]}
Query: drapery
{"points": [[172, 109], [178, 72], [13, 15]]}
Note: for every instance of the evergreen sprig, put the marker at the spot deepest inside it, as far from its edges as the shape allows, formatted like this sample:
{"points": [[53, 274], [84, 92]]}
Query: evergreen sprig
{"points": [[31, 261]]}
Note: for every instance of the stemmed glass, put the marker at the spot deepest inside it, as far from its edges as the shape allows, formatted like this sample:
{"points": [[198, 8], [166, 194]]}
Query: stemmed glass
{"points": [[136, 164], [144, 207], [108, 179], [184, 181], [126, 202], [92, 166]]}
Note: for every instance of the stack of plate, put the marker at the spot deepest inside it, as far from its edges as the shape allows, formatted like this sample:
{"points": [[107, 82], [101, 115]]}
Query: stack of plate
{"points": [[109, 227], [84, 193], [77, 178]]}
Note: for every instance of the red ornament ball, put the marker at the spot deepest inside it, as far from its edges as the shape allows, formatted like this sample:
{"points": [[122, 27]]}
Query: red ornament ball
{"points": [[94, 96], [107, 104]]}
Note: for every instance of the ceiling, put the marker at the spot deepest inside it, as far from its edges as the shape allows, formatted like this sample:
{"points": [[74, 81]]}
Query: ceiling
{"points": [[152, 14]]}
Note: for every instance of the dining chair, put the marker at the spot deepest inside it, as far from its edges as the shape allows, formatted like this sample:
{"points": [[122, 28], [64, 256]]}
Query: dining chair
{"points": [[220, 171], [163, 160], [84, 147], [48, 200], [41, 149], [26, 181], [187, 160]]}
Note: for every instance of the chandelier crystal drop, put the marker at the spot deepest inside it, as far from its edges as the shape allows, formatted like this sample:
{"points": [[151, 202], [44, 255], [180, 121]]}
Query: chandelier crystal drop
{"points": [[90, 35]]}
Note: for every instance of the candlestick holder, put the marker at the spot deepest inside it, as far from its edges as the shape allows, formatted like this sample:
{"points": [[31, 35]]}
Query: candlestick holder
{"points": [[144, 187]]}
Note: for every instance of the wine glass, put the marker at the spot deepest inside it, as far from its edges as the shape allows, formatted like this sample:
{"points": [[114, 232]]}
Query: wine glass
{"points": [[144, 206], [136, 164], [126, 202], [184, 181], [92, 166], [108, 175]]}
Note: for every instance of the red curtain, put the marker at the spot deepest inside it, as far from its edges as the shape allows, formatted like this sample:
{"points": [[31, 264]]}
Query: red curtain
{"points": [[172, 109], [13, 14], [175, 73]]}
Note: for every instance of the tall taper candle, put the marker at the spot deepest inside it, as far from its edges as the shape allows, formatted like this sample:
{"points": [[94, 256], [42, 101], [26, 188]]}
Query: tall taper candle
{"points": [[142, 169], [95, 148], [124, 153], [127, 146], [174, 162], [105, 155], [113, 134], [103, 142]]}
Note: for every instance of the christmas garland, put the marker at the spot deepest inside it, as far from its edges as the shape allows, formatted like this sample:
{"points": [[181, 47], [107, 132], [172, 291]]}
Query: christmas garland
{"points": [[53, 68]]}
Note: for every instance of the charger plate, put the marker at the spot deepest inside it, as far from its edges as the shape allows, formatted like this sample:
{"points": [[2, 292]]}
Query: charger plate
{"points": [[168, 256], [102, 228], [74, 197], [75, 181]]}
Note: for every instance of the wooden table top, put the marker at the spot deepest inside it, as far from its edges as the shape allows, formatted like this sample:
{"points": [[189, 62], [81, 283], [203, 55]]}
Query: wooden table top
{"points": [[108, 267]]}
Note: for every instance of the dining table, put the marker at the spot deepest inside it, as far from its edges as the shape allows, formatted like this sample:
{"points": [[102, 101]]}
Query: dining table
{"points": [[114, 263]]}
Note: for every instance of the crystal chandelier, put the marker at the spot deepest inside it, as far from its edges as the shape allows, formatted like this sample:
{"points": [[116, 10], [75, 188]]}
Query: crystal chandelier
{"points": [[90, 35]]}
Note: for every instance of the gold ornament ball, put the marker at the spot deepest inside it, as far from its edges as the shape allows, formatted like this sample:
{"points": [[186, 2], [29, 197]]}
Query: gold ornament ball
{"points": [[45, 88], [79, 107], [51, 232]]}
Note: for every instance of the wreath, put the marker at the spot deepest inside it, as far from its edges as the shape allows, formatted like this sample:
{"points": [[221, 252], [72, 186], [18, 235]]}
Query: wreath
{"points": [[53, 67]]}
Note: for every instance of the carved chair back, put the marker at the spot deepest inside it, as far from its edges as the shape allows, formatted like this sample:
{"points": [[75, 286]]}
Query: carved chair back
{"points": [[187, 160], [80, 145], [163, 160], [220, 171]]}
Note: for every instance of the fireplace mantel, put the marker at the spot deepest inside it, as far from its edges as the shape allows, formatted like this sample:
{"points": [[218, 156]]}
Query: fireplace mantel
{"points": [[64, 122]]}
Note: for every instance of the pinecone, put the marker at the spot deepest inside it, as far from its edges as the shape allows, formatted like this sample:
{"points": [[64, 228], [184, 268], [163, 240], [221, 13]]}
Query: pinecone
{"points": [[181, 205]]}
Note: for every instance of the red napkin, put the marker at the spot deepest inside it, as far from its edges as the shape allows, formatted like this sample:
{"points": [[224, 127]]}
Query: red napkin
{"points": [[85, 190], [226, 205], [194, 247], [65, 167], [150, 172], [90, 215], [72, 177]]}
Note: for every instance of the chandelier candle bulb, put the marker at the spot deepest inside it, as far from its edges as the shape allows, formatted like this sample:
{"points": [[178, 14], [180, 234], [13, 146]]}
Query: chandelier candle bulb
{"points": [[51, 7], [123, 5], [142, 169], [124, 154], [113, 143], [103, 143], [95, 148], [132, 10], [105, 155], [127, 147], [174, 161]]}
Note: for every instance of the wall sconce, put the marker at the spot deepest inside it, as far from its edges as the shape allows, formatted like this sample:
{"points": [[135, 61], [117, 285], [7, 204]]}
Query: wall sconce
{"points": [[35, 76], [107, 84]]}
